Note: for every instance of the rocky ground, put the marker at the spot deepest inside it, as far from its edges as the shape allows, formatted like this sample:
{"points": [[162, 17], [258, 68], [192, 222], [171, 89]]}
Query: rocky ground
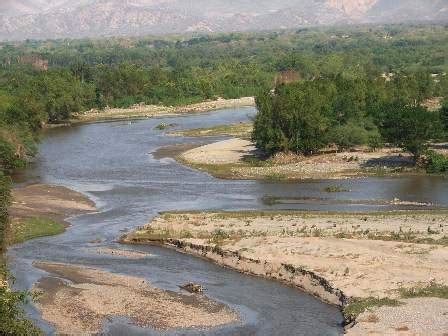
{"points": [[77, 300], [146, 111], [334, 256]]}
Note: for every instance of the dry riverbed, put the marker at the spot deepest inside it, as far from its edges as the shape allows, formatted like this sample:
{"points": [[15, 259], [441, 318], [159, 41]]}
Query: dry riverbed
{"points": [[384, 260], [77, 300], [147, 111]]}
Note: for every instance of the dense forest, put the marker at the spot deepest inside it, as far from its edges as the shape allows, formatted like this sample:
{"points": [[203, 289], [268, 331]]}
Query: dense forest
{"points": [[314, 87]]}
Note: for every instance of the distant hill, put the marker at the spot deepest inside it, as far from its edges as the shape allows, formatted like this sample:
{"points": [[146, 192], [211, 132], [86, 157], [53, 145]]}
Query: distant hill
{"points": [[21, 19]]}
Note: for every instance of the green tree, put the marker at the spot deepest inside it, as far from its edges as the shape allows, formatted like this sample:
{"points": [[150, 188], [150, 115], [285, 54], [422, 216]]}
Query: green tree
{"points": [[444, 116], [291, 119], [409, 127]]}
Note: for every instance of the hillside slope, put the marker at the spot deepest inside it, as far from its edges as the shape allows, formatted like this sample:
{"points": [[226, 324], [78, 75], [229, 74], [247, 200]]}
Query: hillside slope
{"points": [[20, 19]]}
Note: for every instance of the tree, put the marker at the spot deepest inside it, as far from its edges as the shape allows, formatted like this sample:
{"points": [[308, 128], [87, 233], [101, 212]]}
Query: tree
{"points": [[409, 126], [291, 119], [444, 116]]}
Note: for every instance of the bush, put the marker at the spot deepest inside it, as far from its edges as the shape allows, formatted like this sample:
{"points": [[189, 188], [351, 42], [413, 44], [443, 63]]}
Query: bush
{"points": [[436, 163], [12, 319], [444, 116], [8, 157], [5, 200], [347, 136]]}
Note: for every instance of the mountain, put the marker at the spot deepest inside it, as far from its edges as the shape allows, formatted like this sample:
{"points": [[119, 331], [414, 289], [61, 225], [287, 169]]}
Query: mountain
{"points": [[38, 19]]}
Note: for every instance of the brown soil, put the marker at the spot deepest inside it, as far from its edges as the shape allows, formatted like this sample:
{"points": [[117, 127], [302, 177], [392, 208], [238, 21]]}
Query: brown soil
{"points": [[80, 299]]}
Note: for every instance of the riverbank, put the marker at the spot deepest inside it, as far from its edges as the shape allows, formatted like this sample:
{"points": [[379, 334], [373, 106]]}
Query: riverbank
{"points": [[77, 299], [148, 111], [237, 158], [352, 260], [41, 210]]}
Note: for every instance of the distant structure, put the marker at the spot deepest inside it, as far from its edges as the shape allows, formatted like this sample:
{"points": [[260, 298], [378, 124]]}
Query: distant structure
{"points": [[36, 61], [286, 77]]}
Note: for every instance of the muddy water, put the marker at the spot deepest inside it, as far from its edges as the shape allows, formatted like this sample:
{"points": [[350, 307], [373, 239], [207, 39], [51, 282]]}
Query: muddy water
{"points": [[112, 163]]}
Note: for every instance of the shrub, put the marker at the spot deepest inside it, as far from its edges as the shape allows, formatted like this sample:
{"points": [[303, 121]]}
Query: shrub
{"points": [[12, 319], [436, 163], [349, 135]]}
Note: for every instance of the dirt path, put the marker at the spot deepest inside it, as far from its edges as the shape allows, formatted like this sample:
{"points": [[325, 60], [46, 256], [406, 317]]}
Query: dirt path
{"points": [[333, 256]]}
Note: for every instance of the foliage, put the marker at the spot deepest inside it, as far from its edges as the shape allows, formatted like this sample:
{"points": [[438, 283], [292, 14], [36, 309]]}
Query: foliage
{"points": [[436, 163], [12, 320], [291, 119], [432, 290], [444, 116], [409, 127], [5, 200], [359, 306]]}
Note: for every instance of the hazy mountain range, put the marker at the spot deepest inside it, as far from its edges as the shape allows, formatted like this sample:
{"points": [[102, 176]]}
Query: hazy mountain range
{"points": [[21, 19]]}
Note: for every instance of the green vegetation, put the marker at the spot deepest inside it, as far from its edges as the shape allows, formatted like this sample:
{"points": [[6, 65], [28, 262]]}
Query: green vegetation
{"points": [[335, 189], [409, 127], [12, 317], [35, 227], [5, 200], [358, 306], [162, 126], [241, 130], [436, 163], [432, 290], [352, 107]]}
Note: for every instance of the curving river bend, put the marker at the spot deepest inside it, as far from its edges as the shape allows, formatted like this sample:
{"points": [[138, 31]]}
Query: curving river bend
{"points": [[112, 163]]}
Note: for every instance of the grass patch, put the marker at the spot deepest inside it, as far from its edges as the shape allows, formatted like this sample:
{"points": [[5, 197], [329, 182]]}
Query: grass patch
{"points": [[35, 227], [276, 177], [335, 189], [306, 213], [161, 235], [358, 306], [162, 126], [255, 161], [432, 290], [239, 130]]}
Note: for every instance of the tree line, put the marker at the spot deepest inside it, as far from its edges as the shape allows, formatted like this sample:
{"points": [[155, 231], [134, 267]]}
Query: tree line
{"points": [[352, 108]]}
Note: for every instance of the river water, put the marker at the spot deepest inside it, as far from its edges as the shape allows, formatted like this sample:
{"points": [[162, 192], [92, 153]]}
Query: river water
{"points": [[112, 163]]}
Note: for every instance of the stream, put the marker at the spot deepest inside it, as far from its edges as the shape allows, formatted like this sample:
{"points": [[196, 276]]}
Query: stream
{"points": [[111, 162]]}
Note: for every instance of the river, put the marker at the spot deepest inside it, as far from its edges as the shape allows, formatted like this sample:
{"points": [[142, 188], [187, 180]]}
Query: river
{"points": [[111, 162]]}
